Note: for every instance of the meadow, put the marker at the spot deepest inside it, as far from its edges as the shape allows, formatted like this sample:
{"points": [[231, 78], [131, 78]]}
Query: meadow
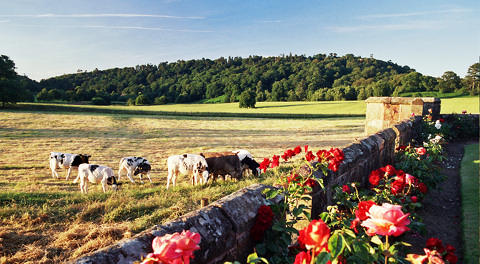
{"points": [[47, 220]]}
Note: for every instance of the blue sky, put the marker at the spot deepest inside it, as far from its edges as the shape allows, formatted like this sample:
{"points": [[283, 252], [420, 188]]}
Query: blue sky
{"points": [[50, 38]]}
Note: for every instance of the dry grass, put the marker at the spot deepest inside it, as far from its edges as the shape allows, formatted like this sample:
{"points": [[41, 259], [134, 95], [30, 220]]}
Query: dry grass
{"points": [[47, 220]]}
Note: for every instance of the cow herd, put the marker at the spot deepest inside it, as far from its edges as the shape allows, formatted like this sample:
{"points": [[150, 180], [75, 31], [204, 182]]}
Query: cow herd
{"points": [[200, 168]]}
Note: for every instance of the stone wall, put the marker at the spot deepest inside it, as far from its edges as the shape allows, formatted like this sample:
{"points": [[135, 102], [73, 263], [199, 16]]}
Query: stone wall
{"points": [[385, 112]]}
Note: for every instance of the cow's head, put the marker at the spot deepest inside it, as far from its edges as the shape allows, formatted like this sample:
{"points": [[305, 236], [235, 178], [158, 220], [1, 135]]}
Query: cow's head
{"points": [[142, 167], [252, 165], [203, 168], [113, 181], [85, 157]]}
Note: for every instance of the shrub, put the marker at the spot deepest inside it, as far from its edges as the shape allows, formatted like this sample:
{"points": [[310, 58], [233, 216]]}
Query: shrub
{"points": [[247, 99]]}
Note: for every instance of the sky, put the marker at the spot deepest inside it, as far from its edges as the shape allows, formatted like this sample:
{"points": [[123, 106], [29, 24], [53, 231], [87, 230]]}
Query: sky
{"points": [[48, 38]]}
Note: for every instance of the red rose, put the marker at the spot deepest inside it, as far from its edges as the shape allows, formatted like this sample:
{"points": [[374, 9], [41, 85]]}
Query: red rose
{"points": [[389, 169], [303, 258], [422, 188], [297, 150], [421, 151], [265, 216], [321, 155], [435, 243], [309, 156], [293, 178], [306, 148], [337, 154], [310, 182], [363, 207], [333, 165], [450, 248], [346, 189], [264, 165], [275, 161], [414, 199], [451, 258], [441, 120], [375, 177], [397, 187], [284, 156], [354, 224], [315, 235]]}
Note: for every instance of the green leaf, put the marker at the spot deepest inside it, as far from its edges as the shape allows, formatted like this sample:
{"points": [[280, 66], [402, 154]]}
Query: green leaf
{"points": [[336, 244], [252, 257], [376, 240], [349, 232], [322, 258]]}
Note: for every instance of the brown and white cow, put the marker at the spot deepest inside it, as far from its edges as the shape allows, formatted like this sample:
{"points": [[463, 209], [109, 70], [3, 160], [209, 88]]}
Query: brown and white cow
{"points": [[187, 164], [223, 163]]}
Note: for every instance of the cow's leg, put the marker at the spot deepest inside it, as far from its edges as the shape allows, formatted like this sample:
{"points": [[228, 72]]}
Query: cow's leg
{"points": [[174, 179], [83, 185], [120, 172], [104, 184], [129, 175], [148, 175], [169, 177], [54, 173], [68, 172]]}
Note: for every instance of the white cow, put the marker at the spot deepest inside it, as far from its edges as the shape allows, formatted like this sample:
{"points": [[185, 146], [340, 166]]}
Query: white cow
{"points": [[187, 164], [134, 165], [67, 161], [95, 174]]}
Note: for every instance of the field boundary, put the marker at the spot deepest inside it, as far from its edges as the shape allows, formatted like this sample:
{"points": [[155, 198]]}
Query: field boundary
{"points": [[77, 108]]}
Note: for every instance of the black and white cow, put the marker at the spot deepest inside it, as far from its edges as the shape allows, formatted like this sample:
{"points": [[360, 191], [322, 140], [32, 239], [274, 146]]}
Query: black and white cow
{"points": [[67, 161], [135, 166], [95, 174], [247, 161], [187, 164]]}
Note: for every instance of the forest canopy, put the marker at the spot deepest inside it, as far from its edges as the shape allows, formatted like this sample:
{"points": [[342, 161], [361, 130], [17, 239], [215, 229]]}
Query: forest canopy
{"points": [[283, 78]]}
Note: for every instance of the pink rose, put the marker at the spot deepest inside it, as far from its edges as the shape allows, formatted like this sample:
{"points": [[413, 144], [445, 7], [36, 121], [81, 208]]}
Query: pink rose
{"points": [[386, 220], [174, 248]]}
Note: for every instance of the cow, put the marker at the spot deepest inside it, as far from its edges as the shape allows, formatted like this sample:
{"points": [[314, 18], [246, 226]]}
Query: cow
{"points": [[223, 163], [66, 161], [187, 164], [247, 161], [135, 166], [95, 174]]}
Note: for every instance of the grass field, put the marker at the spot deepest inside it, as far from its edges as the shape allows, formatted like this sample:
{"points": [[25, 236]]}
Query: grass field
{"points": [[470, 204], [47, 220], [275, 109]]}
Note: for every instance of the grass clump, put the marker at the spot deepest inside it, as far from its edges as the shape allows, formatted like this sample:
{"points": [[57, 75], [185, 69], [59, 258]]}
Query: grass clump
{"points": [[470, 205]]}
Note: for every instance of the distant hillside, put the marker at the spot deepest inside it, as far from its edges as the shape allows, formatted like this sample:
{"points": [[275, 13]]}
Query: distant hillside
{"points": [[285, 78]]}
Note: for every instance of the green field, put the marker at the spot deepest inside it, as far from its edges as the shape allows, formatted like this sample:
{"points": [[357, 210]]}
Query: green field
{"points": [[470, 204], [263, 109]]}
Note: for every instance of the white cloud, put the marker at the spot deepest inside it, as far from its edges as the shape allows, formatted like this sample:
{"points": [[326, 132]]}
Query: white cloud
{"points": [[143, 28], [422, 13], [103, 15], [387, 27]]}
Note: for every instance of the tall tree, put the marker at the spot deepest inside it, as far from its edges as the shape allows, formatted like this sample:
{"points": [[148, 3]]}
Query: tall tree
{"points": [[472, 79], [449, 82], [8, 93]]}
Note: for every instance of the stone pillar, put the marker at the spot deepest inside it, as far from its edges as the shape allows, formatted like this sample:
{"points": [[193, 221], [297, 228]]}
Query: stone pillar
{"points": [[385, 112]]}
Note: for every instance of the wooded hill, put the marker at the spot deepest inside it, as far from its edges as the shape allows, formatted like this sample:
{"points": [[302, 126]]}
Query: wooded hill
{"points": [[282, 78]]}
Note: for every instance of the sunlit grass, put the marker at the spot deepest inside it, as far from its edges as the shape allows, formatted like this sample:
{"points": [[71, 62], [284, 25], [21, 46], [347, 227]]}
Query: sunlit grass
{"points": [[56, 222], [457, 105]]}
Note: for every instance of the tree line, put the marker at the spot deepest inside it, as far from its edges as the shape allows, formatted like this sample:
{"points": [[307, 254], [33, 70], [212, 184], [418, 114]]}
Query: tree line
{"points": [[282, 78]]}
